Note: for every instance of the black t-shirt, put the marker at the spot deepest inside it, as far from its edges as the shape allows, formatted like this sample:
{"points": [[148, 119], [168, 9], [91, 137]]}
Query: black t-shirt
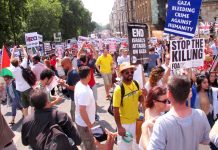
{"points": [[72, 79]]}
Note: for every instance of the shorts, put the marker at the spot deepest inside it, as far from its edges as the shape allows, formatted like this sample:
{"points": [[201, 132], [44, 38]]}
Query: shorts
{"points": [[87, 138], [107, 78], [25, 98], [121, 144]]}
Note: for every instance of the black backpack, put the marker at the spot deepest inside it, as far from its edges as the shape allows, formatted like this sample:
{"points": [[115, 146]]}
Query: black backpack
{"points": [[28, 76], [56, 139], [110, 108], [52, 136]]}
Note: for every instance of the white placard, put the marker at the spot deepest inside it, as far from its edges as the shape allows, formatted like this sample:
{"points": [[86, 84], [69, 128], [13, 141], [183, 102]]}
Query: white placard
{"points": [[187, 53], [32, 39]]}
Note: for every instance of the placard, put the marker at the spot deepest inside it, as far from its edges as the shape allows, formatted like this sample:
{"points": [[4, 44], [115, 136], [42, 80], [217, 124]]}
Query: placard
{"points": [[182, 17], [187, 53], [32, 39], [153, 40], [138, 42]]}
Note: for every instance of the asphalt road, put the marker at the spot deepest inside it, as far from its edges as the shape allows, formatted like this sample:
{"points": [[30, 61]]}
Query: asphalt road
{"points": [[106, 120]]}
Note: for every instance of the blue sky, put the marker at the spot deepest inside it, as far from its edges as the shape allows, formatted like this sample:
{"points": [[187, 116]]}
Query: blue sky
{"points": [[100, 10]]}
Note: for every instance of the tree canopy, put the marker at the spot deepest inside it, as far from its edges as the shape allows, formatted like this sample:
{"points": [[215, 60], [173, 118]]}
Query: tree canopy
{"points": [[46, 17]]}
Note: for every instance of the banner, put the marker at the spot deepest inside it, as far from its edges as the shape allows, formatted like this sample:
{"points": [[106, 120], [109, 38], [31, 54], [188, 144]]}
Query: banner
{"points": [[32, 39], [182, 17], [48, 49], [138, 42], [59, 50], [153, 40], [112, 46], [186, 53]]}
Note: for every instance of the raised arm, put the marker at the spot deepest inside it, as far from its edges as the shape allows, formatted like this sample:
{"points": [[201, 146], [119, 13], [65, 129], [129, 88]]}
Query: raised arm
{"points": [[12, 53], [95, 54], [80, 50], [24, 51]]}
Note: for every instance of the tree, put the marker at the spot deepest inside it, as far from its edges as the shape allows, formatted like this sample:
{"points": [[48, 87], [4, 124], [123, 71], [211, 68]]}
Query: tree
{"points": [[12, 18], [76, 20], [44, 17]]}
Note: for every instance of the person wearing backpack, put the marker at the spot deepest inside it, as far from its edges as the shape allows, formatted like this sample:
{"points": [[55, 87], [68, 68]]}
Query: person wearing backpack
{"points": [[125, 107], [22, 84], [47, 128]]}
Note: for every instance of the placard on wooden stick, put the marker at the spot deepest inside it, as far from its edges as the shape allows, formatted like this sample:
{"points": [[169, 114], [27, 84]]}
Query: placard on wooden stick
{"points": [[138, 43]]}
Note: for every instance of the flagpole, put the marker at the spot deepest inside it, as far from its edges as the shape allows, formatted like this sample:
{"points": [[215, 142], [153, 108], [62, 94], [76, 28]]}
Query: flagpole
{"points": [[2, 55]]}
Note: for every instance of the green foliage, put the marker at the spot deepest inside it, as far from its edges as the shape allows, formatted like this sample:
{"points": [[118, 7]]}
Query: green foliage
{"points": [[76, 20], [12, 16], [46, 17]]}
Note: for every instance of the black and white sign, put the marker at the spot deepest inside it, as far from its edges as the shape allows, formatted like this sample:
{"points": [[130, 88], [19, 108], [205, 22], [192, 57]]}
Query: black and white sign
{"points": [[186, 53], [138, 42]]}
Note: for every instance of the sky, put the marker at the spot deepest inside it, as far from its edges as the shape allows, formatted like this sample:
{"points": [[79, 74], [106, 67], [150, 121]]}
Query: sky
{"points": [[100, 10]]}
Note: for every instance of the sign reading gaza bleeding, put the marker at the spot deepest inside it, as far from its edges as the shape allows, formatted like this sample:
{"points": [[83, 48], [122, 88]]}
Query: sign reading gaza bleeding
{"points": [[182, 17], [187, 53], [137, 34]]}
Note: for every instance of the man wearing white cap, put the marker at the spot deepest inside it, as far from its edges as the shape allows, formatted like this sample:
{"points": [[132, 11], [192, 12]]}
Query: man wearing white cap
{"points": [[126, 99]]}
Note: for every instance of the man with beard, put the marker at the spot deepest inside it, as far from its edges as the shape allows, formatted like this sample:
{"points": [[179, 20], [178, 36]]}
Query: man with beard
{"points": [[72, 79], [126, 107]]}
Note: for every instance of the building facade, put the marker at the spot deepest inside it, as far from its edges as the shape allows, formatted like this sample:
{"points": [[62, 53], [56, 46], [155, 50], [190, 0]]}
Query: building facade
{"points": [[151, 12]]}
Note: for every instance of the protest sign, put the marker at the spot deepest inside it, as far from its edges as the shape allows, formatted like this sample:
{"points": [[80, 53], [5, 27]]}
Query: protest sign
{"points": [[59, 49], [32, 39], [16, 52], [153, 40], [182, 17], [48, 49], [57, 37], [112, 46], [138, 44], [186, 53]]}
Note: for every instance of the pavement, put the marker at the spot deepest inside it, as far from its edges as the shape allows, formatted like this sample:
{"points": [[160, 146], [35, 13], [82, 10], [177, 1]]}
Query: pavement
{"points": [[106, 120]]}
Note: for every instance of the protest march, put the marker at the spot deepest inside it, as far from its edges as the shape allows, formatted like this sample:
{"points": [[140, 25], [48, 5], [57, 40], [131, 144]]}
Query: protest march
{"points": [[106, 90]]}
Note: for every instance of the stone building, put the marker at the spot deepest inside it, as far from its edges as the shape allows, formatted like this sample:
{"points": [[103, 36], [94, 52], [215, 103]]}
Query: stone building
{"points": [[151, 12]]}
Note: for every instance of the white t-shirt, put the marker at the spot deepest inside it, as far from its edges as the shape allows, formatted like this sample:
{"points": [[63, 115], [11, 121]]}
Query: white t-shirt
{"points": [[138, 75], [74, 62], [21, 84], [83, 95], [148, 86], [122, 59]]}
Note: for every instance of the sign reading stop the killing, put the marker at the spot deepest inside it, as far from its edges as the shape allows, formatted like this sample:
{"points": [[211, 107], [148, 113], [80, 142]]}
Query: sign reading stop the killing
{"points": [[187, 53], [138, 43]]}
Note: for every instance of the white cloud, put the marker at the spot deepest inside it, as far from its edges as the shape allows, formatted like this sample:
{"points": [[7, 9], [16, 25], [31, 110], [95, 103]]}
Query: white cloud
{"points": [[100, 9]]}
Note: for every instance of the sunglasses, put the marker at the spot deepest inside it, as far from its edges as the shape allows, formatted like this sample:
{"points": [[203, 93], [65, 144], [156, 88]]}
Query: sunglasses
{"points": [[165, 101], [128, 72]]}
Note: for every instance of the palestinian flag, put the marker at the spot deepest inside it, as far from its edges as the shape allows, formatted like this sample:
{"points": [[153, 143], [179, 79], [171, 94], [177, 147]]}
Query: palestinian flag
{"points": [[5, 63]]}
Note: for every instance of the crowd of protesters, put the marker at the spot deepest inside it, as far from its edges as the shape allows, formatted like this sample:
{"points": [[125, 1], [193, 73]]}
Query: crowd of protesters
{"points": [[178, 108]]}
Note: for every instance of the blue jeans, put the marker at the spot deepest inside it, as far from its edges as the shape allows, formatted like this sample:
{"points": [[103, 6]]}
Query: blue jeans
{"points": [[16, 104]]}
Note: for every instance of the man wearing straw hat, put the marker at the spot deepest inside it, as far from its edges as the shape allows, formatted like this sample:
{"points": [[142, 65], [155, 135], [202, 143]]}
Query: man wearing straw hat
{"points": [[126, 107]]}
